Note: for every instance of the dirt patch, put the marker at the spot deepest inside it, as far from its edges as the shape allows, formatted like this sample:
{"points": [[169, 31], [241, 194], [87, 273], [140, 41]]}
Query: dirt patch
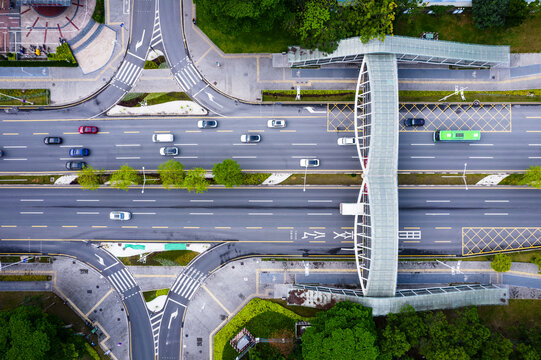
{"points": [[283, 340]]}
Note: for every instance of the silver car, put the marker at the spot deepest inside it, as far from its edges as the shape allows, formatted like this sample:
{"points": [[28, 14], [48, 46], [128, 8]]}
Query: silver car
{"points": [[207, 124], [169, 151], [120, 215], [276, 123], [250, 138]]}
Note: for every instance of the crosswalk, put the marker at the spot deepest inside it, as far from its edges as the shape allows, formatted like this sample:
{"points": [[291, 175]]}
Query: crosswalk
{"points": [[187, 77], [155, 322], [157, 31], [123, 281], [187, 283], [128, 73]]}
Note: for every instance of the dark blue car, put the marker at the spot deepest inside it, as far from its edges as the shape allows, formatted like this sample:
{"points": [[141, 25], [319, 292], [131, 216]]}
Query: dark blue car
{"points": [[79, 152]]}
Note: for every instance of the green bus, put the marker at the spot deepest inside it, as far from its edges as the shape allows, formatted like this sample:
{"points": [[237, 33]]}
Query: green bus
{"points": [[457, 135]]}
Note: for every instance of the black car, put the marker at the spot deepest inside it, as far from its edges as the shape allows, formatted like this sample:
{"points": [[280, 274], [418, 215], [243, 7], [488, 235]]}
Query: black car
{"points": [[75, 165], [52, 140], [414, 122], [1, 153]]}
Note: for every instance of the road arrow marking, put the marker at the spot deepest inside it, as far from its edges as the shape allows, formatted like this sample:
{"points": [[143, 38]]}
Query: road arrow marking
{"points": [[100, 260], [311, 109], [316, 235], [345, 234], [140, 42], [173, 316], [211, 98]]}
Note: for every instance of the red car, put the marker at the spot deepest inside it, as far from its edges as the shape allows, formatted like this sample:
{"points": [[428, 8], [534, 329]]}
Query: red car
{"points": [[88, 130]]}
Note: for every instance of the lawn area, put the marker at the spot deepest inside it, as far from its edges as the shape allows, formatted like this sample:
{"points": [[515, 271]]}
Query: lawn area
{"points": [[309, 95], [34, 96], [135, 99], [25, 277], [274, 41], [99, 12], [505, 319], [164, 258], [51, 304], [512, 179], [324, 179], [437, 179], [532, 95], [460, 28], [21, 179], [153, 294], [261, 318]]}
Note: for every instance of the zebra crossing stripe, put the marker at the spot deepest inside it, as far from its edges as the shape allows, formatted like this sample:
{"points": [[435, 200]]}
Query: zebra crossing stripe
{"points": [[124, 73], [181, 83], [118, 282], [187, 73], [194, 71]]}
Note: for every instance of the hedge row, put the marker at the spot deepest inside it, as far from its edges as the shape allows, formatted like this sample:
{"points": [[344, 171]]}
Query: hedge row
{"points": [[30, 63], [25, 277]]}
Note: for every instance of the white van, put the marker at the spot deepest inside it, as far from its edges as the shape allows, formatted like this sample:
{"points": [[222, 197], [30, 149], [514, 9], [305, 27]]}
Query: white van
{"points": [[347, 141], [163, 138]]}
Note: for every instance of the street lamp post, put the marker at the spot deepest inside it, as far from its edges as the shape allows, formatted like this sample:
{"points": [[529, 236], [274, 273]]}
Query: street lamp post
{"points": [[144, 181], [305, 173], [464, 176]]}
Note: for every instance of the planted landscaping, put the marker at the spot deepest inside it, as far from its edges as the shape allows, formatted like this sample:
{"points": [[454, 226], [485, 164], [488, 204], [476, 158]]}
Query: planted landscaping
{"points": [[309, 95], [21, 97], [531, 95], [164, 258]]}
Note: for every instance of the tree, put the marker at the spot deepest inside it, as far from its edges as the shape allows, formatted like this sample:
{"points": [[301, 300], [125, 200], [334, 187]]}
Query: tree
{"points": [[242, 16], [227, 173], [489, 13], [124, 178], [532, 177], [195, 180], [89, 178], [517, 12], [346, 331], [501, 263], [172, 174], [393, 343]]}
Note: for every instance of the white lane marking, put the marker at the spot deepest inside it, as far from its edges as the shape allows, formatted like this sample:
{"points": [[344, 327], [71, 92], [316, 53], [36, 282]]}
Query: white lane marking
{"points": [[243, 157], [15, 147], [481, 144], [317, 214], [201, 213], [438, 201], [70, 146], [86, 200], [31, 200], [201, 200], [496, 201], [185, 157], [145, 213], [260, 214], [128, 157], [31, 212], [13, 159], [422, 144], [422, 157], [303, 157], [354, 157], [534, 144], [241, 144], [320, 201], [72, 158], [307, 144], [87, 212], [534, 157], [496, 214], [261, 201], [127, 144], [480, 157], [435, 214], [186, 144], [144, 200]]}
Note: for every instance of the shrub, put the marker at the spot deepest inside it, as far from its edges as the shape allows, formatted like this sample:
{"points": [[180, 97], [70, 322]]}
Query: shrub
{"points": [[501, 263], [489, 13], [149, 65]]}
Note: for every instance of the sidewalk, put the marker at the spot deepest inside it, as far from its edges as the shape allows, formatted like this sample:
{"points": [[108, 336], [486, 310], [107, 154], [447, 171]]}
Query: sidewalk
{"points": [[88, 293]]}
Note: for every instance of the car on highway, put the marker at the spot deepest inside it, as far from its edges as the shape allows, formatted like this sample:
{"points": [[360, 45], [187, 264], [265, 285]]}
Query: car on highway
{"points": [[250, 138], [75, 165], [79, 152], [273, 123], [120, 215], [163, 138], [52, 140], [1, 153], [414, 122], [207, 124], [347, 141], [309, 163], [88, 130], [169, 151]]}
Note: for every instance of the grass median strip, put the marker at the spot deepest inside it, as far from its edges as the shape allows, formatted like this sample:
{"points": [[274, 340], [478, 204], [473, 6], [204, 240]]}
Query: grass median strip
{"points": [[531, 95], [163, 258], [438, 179], [25, 277], [309, 95]]}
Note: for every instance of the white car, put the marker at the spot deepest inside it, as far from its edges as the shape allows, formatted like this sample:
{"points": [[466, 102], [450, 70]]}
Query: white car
{"points": [[250, 138], [163, 138], [120, 215], [347, 141], [169, 151], [276, 123], [306, 163]]}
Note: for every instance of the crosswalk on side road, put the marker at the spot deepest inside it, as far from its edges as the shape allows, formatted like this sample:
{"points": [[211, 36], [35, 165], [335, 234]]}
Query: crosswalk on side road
{"points": [[157, 31], [187, 77], [128, 73], [122, 280], [155, 322], [188, 282]]}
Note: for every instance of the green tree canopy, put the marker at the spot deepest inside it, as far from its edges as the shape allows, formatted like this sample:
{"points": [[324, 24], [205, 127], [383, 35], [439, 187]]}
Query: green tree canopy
{"points": [[489, 13], [517, 12], [88, 178], [171, 173], [195, 180], [27, 333], [227, 173], [501, 263], [532, 177], [124, 178], [346, 331]]}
